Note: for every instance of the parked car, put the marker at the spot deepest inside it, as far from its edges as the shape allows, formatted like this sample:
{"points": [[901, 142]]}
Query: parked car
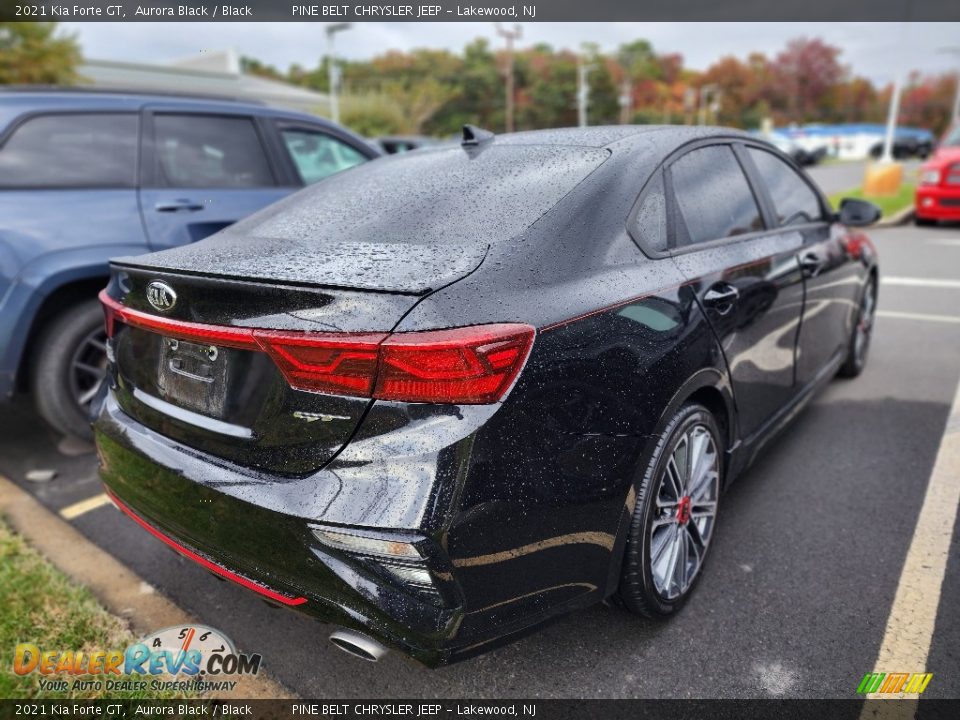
{"points": [[88, 175], [458, 392], [394, 144], [938, 193], [907, 143], [796, 152]]}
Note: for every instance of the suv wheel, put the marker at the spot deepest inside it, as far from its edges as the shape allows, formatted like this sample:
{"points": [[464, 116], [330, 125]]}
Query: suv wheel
{"points": [[70, 368], [675, 515]]}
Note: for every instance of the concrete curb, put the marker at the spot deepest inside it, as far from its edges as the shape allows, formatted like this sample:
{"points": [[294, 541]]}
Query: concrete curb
{"points": [[120, 590], [898, 218]]}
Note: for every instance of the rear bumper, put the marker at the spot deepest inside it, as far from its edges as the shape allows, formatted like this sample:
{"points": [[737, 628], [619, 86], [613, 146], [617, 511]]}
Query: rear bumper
{"points": [[210, 515], [934, 202]]}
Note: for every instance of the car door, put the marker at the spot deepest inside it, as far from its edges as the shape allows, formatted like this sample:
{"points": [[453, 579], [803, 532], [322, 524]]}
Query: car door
{"points": [[831, 280], [746, 276], [314, 153], [203, 172]]}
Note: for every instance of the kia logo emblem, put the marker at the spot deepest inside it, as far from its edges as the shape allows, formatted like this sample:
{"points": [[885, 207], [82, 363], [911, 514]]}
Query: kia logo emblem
{"points": [[161, 296]]}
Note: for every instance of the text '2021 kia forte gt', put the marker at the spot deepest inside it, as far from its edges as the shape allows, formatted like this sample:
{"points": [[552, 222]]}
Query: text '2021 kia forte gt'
{"points": [[444, 397]]}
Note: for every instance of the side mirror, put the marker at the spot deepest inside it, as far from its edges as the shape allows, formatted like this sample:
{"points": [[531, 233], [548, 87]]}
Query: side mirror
{"points": [[857, 213]]}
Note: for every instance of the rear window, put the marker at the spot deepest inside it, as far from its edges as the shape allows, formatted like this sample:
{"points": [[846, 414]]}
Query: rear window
{"points": [[71, 150], [430, 197]]}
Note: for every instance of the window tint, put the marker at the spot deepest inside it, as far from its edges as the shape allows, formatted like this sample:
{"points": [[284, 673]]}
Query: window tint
{"points": [[71, 151], [650, 225], [318, 155], [793, 199], [205, 151], [713, 196]]}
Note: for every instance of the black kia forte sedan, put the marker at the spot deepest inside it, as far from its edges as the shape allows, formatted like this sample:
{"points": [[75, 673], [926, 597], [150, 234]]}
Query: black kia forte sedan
{"points": [[446, 396]]}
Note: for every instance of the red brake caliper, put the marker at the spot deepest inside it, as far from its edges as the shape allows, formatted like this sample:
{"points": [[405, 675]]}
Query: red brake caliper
{"points": [[683, 510]]}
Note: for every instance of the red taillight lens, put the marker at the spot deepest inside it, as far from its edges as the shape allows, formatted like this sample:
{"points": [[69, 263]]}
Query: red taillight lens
{"points": [[470, 365], [463, 365], [345, 364]]}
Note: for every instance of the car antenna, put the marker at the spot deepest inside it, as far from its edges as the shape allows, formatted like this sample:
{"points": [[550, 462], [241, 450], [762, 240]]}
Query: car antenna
{"points": [[474, 136]]}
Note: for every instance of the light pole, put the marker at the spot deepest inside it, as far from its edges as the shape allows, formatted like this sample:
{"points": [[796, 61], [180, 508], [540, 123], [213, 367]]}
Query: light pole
{"points": [[509, 36], [583, 90], [333, 72], [955, 114], [703, 99], [893, 112]]}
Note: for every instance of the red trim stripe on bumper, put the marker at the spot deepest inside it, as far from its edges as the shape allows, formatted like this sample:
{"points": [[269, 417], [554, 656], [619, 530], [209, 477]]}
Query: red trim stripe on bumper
{"points": [[208, 564]]}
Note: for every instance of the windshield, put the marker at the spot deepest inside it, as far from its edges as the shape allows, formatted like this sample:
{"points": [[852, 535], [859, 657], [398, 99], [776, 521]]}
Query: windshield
{"points": [[953, 137]]}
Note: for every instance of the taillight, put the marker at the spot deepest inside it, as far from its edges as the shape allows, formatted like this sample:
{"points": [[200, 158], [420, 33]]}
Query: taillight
{"points": [[343, 364], [469, 365], [463, 365]]}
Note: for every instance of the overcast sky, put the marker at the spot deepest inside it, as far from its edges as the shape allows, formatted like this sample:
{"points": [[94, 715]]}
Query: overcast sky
{"points": [[871, 49]]}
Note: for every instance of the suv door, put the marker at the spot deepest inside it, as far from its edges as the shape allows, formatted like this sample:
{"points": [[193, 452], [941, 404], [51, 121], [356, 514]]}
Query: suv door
{"points": [[203, 172], [747, 278], [832, 283]]}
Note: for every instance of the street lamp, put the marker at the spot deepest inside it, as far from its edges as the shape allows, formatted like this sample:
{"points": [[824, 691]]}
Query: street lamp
{"points": [[333, 72]]}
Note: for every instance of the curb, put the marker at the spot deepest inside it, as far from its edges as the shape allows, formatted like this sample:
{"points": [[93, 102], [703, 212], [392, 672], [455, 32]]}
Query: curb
{"points": [[117, 587], [898, 218]]}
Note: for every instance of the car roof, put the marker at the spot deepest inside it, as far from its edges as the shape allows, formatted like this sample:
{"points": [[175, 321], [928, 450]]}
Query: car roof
{"points": [[17, 100], [618, 137]]}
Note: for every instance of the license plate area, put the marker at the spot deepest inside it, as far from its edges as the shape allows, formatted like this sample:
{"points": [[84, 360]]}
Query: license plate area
{"points": [[193, 375]]}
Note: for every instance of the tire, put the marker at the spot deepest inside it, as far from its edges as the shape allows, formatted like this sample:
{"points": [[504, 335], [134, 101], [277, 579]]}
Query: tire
{"points": [[862, 333], [648, 587], [69, 368], [923, 222]]}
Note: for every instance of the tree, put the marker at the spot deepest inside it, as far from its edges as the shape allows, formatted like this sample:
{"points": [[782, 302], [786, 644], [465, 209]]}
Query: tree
{"points": [[808, 69], [33, 53]]}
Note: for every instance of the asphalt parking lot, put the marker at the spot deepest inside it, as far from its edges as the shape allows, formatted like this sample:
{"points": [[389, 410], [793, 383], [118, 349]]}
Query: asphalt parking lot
{"points": [[797, 592]]}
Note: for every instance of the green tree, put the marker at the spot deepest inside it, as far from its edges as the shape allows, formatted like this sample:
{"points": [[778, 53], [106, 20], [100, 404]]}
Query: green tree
{"points": [[34, 53]]}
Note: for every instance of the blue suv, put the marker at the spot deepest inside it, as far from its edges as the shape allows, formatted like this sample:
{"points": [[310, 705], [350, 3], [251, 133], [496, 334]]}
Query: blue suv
{"points": [[86, 176]]}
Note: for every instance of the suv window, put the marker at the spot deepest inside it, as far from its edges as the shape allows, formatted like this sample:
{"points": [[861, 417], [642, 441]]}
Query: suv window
{"points": [[713, 196], [209, 151], [795, 202], [78, 150], [318, 155], [650, 224]]}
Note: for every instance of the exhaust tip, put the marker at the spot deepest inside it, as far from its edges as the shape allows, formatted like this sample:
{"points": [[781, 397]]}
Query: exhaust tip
{"points": [[358, 645]]}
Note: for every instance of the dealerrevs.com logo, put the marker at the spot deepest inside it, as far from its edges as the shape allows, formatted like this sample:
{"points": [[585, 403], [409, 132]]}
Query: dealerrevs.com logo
{"points": [[191, 658], [894, 683]]}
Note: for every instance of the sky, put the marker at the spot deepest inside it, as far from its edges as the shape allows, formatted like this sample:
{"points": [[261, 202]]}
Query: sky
{"points": [[873, 50]]}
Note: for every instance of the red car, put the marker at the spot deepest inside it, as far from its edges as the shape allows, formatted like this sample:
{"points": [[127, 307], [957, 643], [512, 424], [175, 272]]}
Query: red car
{"points": [[938, 194]]}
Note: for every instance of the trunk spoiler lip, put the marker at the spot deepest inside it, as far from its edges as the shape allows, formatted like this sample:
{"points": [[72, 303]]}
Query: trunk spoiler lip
{"points": [[122, 263]]}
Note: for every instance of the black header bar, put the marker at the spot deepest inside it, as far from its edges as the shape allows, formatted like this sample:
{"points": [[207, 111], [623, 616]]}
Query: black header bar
{"points": [[482, 10]]}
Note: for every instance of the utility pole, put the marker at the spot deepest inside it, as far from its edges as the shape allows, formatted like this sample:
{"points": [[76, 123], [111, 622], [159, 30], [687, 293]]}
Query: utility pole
{"points": [[333, 71], [955, 114], [510, 36]]}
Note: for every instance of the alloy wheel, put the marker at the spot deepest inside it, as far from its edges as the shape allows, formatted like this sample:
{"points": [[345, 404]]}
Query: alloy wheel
{"points": [[88, 367], [685, 512]]}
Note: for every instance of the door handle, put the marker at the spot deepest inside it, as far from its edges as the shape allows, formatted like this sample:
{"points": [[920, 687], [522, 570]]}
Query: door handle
{"points": [[721, 297], [179, 205], [811, 265]]}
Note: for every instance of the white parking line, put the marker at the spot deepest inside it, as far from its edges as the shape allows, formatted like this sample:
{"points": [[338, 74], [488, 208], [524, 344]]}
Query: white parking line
{"points": [[84, 506], [921, 282], [951, 242], [918, 316], [909, 631]]}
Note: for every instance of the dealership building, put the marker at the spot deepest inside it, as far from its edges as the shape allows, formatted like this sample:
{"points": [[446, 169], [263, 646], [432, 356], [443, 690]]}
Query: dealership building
{"points": [[210, 73]]}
